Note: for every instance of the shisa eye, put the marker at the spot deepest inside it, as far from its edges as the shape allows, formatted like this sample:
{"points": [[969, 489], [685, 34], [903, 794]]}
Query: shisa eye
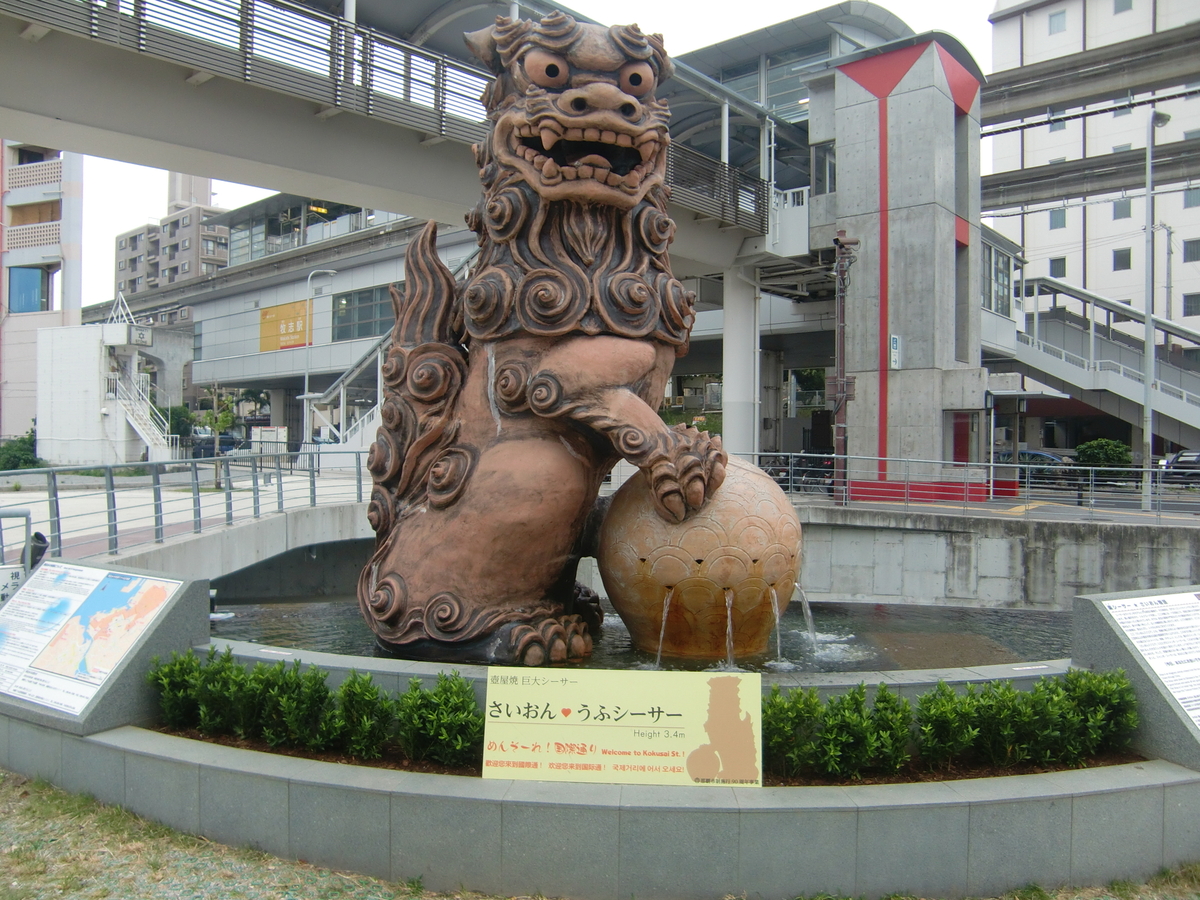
{"points": [[545, 69], [637, 79]]}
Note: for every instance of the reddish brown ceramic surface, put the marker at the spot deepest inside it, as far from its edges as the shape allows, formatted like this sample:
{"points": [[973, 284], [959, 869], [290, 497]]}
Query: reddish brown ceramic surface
{"points": [[745, 540]]}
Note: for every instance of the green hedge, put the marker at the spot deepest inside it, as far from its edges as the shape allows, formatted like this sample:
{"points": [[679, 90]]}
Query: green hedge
{"points": [[1061, 720], [290, 707]]}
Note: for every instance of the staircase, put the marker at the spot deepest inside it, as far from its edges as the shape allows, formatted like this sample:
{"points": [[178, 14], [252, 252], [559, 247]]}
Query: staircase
{"points": [[144, 418]]}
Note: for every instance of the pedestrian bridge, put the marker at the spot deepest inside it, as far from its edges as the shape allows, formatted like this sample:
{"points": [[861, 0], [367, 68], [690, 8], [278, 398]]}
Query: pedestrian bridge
{"points": [[1077, 347]]}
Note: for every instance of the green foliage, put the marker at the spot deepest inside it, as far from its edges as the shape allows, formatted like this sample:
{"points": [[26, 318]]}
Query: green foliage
{"points": [[1107, 707], [945, 725], [179, 420], [295, 708], [790, 724], [366, 716], [1002, 718], [176, 684], [444, 725], [221, 688], [1059, 720], [848, 742], [20, 453], [892, 719], [1103, 452]]}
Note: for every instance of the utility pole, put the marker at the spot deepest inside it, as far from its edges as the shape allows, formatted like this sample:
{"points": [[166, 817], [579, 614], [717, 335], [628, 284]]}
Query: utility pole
{"points": [[843, 387]]}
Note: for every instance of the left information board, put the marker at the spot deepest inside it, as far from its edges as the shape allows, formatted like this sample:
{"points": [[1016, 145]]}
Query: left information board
{"points": [[69, 627]]}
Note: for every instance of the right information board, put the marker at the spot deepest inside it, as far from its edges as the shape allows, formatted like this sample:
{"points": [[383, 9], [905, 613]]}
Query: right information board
{"points": [[1165, 629]]}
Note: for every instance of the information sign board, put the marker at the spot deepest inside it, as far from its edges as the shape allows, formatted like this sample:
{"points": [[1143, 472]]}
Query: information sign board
{"points": [[68, 628], [624, 727], [1165, 629]]}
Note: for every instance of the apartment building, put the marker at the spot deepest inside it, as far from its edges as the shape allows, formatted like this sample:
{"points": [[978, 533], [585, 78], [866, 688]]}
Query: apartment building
{"points": [[41, 226], [179, 247], [1098, 242]]}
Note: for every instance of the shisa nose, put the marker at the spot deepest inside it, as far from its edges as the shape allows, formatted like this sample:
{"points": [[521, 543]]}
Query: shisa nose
{"points": [[600, 97]]}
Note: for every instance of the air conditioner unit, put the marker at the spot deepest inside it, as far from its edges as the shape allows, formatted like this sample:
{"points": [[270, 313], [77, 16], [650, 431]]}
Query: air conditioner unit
{"points": [[149, 320], [185, 312]]}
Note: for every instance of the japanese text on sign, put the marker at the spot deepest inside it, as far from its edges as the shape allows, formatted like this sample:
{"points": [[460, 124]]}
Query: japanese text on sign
{"points": [[625, 727]]}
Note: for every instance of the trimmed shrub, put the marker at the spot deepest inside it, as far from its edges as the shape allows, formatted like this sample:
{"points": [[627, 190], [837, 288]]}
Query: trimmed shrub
{"points": [[945, 725], [444, 725]]}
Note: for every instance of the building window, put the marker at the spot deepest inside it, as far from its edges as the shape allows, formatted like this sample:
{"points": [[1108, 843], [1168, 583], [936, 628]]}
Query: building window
{"points": [[209, 268], [362, 314], [28, 289], [1191, 251], [1121, 148], [185, 266], [120, 285], [1058, 267], [1191, 197], [1122, 259], [1058, 126], [1191, 304], [121, 244], [185, 221], [1058, 22], [1058, 219], [824, 168], [185, 244], [120, 263], [996, 280], [1123, 208], [1120, 6], [1123, 111]]}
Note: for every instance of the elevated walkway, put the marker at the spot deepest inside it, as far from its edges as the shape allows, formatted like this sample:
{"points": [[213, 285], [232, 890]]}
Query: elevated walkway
{"points": [[248, 93], [1076, 347]]}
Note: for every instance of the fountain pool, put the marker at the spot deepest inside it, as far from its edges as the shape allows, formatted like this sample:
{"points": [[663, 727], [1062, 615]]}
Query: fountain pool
{"points": [[849, 636]]}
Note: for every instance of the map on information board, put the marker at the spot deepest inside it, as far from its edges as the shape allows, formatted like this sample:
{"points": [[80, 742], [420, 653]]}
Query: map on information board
{"points": [[69, 627]]}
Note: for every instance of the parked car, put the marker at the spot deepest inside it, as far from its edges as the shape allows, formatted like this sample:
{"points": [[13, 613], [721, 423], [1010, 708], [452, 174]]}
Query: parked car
{"points": [[1183, 467], [1042, 467], [202, 447]]}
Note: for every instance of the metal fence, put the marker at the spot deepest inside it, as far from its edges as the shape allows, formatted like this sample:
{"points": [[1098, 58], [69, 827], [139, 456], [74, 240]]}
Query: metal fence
{"points": [[94, 511]]}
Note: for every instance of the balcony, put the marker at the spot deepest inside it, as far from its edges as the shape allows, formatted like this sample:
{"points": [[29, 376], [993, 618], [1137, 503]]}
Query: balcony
{"points": [[34, 174], [23, 237]]}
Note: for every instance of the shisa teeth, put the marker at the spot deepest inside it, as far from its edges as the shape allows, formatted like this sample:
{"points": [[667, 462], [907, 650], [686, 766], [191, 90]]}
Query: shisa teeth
{"points": [[648, 149], [549, 138], [624, 140]]}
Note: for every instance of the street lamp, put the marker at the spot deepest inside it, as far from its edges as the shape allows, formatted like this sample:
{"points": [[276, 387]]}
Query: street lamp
{"points": [[309, 338], [1157, 120]]}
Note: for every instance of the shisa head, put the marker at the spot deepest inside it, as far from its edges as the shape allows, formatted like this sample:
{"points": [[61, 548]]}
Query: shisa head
{"points": [[573, 109]]}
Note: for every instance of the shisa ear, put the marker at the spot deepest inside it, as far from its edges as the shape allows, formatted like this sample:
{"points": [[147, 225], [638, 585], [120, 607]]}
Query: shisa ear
{"points": [[483, 44]]}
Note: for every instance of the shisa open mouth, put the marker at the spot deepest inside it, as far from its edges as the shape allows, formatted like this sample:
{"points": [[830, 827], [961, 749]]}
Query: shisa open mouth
{"points": [[617, 159]]}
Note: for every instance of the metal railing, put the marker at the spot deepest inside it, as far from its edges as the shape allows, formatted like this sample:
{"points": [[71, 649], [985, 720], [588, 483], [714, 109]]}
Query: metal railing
{"points": [[297, 50], [1029, 490], [97, 511]]}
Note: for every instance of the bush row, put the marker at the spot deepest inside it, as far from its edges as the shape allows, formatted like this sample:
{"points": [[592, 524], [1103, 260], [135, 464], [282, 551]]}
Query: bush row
{"points": [[1063, 720], [287, 706]]}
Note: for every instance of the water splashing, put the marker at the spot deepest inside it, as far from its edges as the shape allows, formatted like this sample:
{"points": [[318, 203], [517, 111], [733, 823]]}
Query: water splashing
{"points": [[778, 630], [662, 632], [729, 628], [808, 617]]}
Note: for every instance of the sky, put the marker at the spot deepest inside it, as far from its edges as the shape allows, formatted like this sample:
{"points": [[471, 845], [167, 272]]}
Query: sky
{"points": [[118, 196]]}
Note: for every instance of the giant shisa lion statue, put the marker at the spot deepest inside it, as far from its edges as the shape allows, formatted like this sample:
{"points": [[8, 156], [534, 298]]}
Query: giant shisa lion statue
{"points": [[509, 398]]}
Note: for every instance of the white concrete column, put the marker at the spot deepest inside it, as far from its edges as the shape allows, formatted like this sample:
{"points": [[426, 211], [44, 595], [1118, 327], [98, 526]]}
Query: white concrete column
{"points": [[739, 366], [279, 402]]}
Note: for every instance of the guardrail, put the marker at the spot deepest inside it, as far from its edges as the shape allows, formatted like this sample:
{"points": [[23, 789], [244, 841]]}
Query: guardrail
{"points": [[295, 49], [92, 511]]}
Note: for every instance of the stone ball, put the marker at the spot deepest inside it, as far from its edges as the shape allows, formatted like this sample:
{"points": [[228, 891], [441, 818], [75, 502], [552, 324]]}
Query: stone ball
{"points": [[736, 560]]}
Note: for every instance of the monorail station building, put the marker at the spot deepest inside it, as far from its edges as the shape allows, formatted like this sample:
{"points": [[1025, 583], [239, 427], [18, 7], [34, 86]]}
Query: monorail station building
{"points": [[839, 121]]}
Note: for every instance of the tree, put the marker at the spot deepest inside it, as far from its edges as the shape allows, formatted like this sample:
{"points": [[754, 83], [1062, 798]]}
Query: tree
{"points": [[21, 453], [259, 398], [217, 418], [1103, 452]]}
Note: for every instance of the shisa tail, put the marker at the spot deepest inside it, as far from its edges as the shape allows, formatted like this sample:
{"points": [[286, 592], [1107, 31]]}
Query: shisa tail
{"points": [[422, 377]]}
